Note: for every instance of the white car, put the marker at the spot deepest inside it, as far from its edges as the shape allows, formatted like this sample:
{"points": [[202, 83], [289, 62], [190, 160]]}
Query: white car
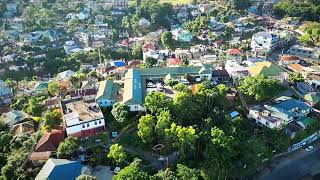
{"points": [[309, 148], [116, 170], [151, 85]]}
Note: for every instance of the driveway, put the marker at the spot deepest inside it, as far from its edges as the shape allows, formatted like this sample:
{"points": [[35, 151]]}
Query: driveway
{"points": [[295, 167], [102, 173]]}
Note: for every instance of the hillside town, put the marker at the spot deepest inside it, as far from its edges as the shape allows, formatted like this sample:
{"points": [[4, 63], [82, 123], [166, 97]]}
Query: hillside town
{"points": [[169, 89]]}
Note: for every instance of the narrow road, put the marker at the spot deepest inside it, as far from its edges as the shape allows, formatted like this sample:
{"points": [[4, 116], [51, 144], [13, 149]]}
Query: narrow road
{"points": [[296, 166]]}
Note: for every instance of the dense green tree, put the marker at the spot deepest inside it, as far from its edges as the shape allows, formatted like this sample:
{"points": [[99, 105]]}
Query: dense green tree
{"points": [[133, 171], [150, 62], [120, 112], [184, 138], [188, 107], [302, 9], [136, 51], [35, 106], [180, 87], [260, 87], [117, 153], [241, 4], [68, 147], [20, 103], [311, 34], [195, 26], [164, 120], [146, 128], [85, 177], [54, 88], [126, 22], [166, 174], [51, 119], [219, 153], [295, 78], [186, 173], [157, 101], [166, 39]]}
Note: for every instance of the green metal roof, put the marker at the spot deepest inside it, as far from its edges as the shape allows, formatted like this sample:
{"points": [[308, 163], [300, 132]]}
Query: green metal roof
{"points": [[162, 71], [107, 90], [135, 87], [41, 86], [306, 121]]}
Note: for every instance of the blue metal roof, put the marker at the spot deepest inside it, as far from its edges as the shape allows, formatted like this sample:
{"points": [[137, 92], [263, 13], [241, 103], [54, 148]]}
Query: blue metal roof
{"points": [[119, 63], [57, 169], [234, 114]]}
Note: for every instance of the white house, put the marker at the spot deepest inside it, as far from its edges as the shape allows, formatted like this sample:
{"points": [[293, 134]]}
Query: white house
{"points": [[305, 52], [264, 118], [83, 119], [235, 69], [5, 93], [65, 75], [266, 41]]}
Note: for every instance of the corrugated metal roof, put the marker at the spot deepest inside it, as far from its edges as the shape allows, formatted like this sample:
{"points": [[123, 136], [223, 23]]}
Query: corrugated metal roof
{"points": [[134, 85], [107, 90]]}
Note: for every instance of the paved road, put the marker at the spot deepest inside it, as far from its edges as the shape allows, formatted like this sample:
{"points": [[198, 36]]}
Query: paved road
{"points": [[296, 166]]}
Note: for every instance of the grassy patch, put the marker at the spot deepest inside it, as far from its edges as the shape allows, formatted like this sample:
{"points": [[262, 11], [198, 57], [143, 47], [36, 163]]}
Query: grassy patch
{"points": [[132, 140]]}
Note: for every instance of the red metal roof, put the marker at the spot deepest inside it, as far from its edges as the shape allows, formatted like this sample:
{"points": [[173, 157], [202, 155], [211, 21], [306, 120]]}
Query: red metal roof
{"points": [[50, 141], [289, 58], [235, 52], [174, 61]]}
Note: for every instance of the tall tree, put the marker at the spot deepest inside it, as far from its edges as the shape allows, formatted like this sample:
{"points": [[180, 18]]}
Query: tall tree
{"points": [[260, 87], [133, 171], [186, 173], [164, 120], [184, 138], [117, 153], [167, 40], [68, 147], [54, 88], [35, 106], [146, 128], [157, 101], [136, 51], [120, 112]]}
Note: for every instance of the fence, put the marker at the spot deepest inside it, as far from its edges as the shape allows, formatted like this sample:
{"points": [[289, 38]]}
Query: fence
{"points": [[305, 141]]}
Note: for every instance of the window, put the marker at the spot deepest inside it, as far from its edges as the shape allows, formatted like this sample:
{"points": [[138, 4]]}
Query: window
{"points": [[83, 126], [87, 124], [95, 123], [99, 121]]}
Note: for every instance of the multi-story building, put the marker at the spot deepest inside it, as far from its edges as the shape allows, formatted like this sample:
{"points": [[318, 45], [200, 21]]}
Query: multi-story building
{"points": [[279, 113], [82, 119], [266, 41], [98, 4], [5, 93], [305, 52]]}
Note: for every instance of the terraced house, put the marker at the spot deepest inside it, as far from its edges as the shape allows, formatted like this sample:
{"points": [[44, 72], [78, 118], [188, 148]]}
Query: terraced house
{"points": [[136, 79]]}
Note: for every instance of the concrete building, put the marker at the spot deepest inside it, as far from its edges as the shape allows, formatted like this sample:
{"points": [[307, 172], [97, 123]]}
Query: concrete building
{"points": [[107, 93], [305, 52], [5, 93], [82, 119], [279, 113], [266, 41]]}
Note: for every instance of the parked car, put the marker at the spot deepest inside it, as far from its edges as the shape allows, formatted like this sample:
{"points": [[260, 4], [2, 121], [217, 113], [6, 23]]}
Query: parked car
{"points": [[309, 148]]}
